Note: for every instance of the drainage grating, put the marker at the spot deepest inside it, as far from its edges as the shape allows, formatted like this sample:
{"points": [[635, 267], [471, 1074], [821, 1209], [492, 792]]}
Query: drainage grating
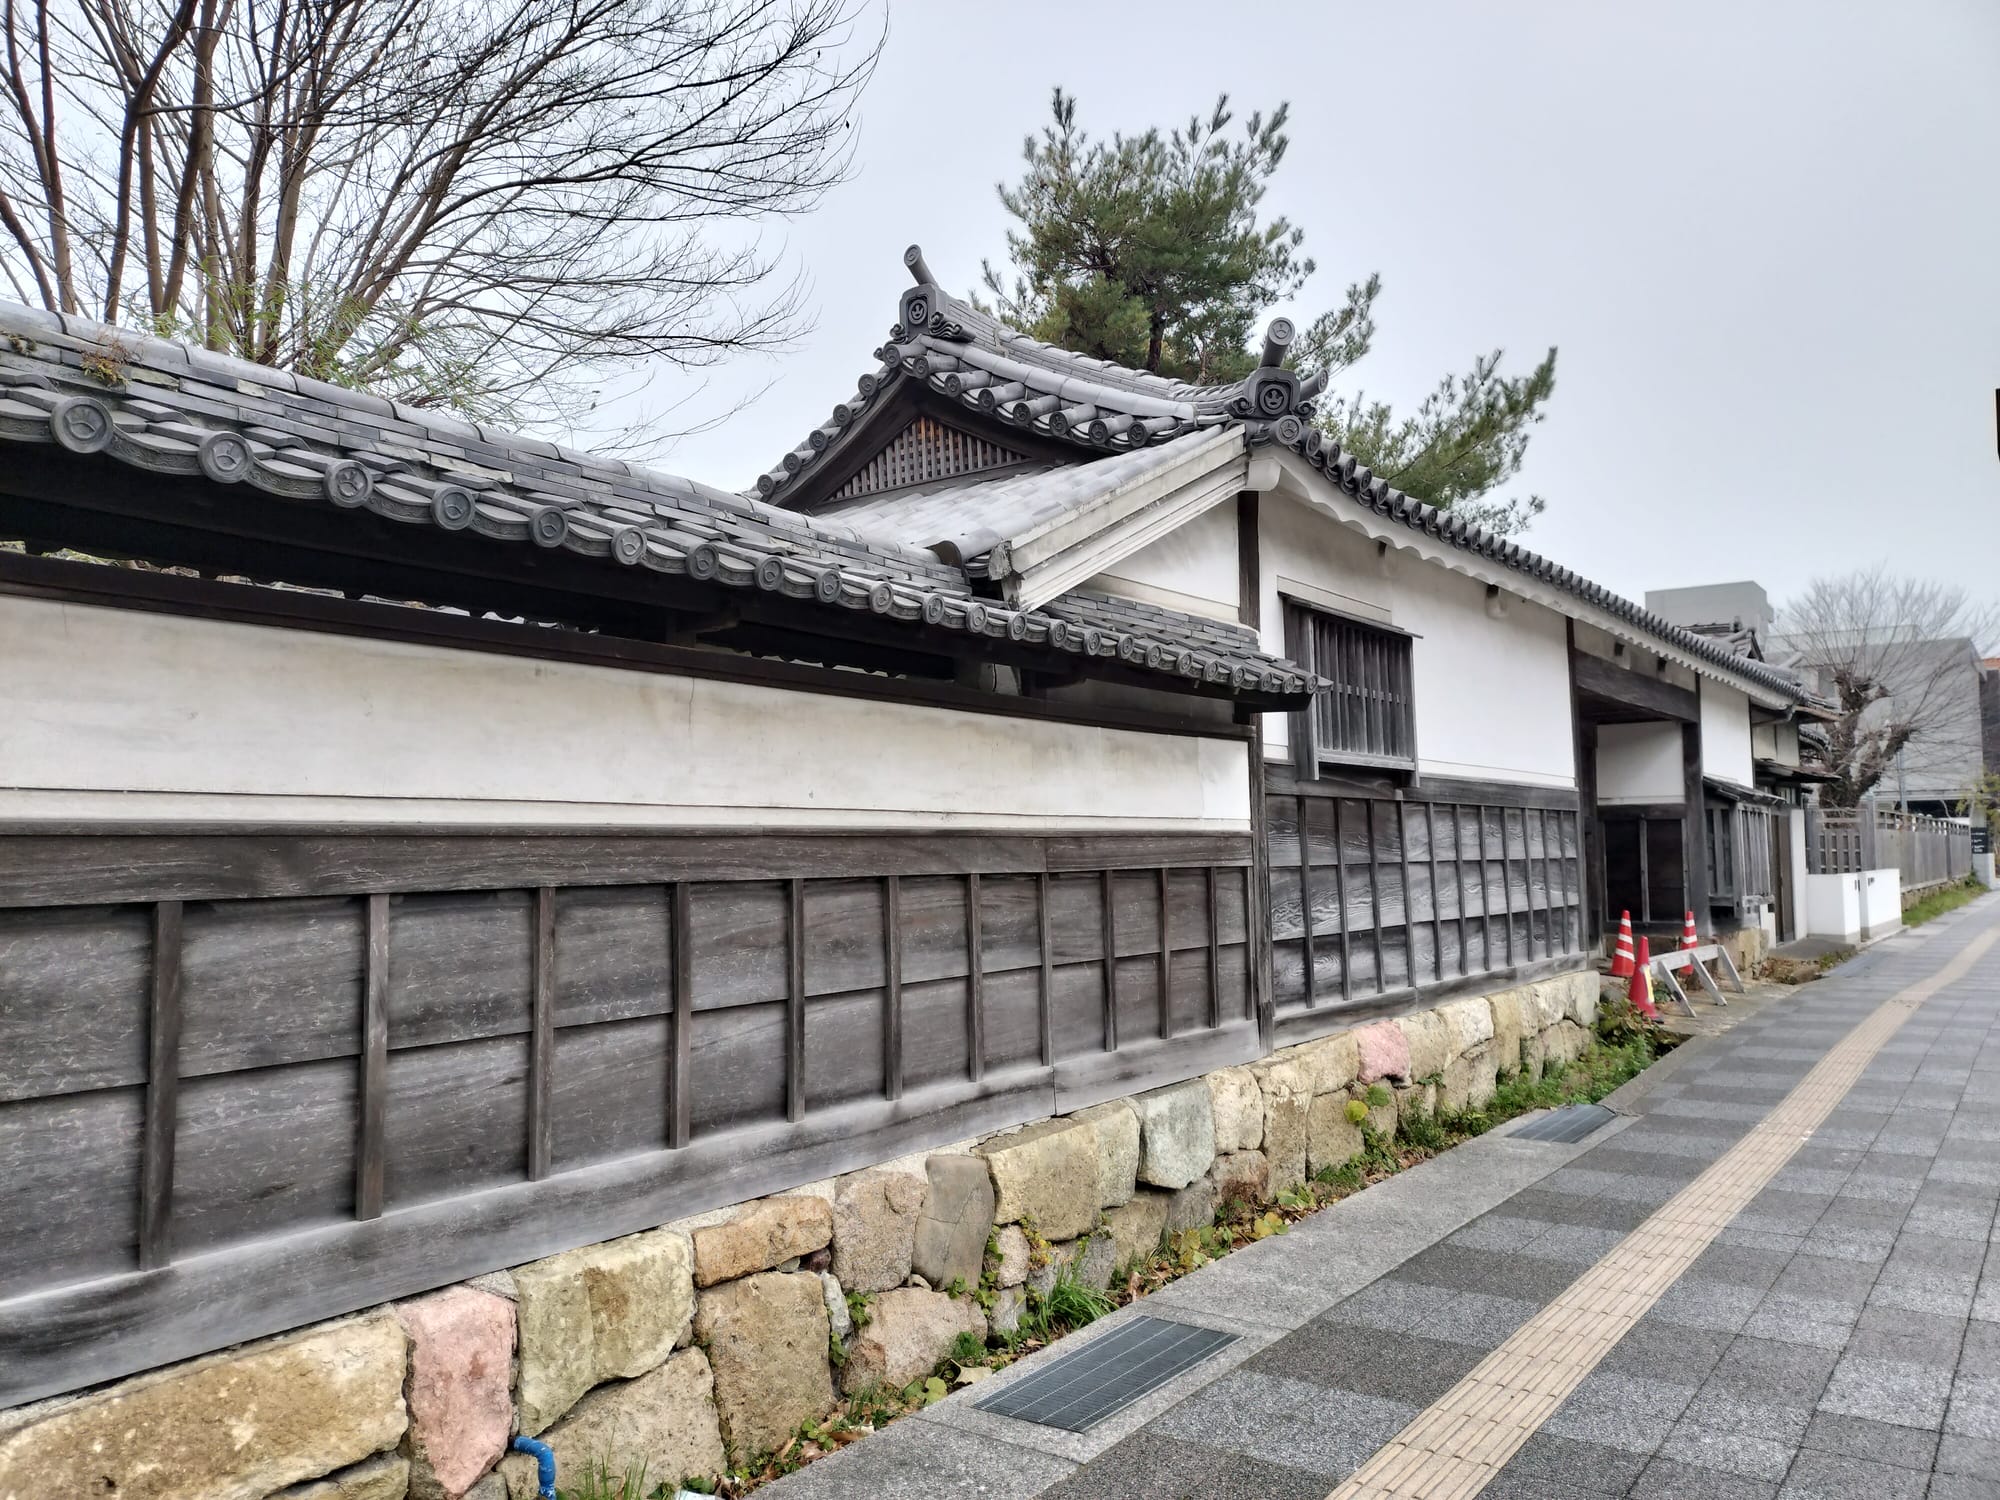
{"points": [[1569, 1124], [1107, 1375]]}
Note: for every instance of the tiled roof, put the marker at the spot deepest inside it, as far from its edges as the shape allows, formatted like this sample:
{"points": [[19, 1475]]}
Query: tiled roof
{"points": [[968, 356], [967, 518], [958, 352], [1353, 477], [171, 409]]}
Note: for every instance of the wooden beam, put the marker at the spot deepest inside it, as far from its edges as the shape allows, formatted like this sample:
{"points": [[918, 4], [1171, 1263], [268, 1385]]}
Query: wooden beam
{"points": [[163, 1049], [93, 866], [1595, 676], [370, 1147]]}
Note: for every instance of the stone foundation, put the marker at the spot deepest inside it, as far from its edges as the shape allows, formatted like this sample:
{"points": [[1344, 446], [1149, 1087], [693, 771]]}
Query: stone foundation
{"points": [[708, 1342]]}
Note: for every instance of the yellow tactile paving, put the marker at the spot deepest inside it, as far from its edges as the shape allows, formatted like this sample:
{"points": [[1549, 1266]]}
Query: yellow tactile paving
{"points": [[1454, 1448]]}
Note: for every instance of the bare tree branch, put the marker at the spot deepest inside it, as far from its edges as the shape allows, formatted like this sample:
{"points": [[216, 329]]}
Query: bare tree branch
{"points": [[493, 204], [1900, 657]]}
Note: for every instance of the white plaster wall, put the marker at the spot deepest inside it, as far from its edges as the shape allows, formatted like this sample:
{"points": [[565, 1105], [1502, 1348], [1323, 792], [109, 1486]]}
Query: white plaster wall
{"points": [[1833, 907], [1493, 699], [1192, 568], [126, 715], [1881, 902], [1639, 763], [1725, 733]]}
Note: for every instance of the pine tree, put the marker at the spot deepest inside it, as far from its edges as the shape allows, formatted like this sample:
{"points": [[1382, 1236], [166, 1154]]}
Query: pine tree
{"points": [[1150, 251]]}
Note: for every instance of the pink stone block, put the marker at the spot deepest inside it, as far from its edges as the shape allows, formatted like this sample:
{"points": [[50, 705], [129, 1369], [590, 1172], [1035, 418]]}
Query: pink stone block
{"points": [[461, 1363], [1385, 1051]]}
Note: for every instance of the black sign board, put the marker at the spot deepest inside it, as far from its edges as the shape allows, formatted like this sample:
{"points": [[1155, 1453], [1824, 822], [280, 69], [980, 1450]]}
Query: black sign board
{"points": [[1982, 839]]}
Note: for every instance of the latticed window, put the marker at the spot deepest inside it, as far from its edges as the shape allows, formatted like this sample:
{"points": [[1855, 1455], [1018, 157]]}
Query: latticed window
{"points": [[1368, 716]]}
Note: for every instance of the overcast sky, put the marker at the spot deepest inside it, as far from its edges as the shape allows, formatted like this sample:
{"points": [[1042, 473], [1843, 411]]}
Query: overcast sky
{"points": [[1765, 237]]}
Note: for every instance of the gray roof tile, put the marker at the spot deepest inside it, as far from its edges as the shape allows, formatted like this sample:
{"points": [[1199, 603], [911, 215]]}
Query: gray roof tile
{"points": [[307, 440]]}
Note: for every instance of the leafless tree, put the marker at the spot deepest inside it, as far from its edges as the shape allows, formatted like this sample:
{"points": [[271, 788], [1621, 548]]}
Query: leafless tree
{"points": [[486, 203], [1900, 658]]}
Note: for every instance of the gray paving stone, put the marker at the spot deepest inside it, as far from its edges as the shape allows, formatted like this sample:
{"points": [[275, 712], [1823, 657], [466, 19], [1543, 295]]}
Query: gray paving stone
{"points": [[1565, 1466], [1663, 1351], [1148, 1466], [1978, 1457], [1899, 1333], [1980, 1352], [1292, 1423], [1370, 1362], [1670, 1479], [1629, 1412], [1708, 1304], [1728, 1452], [1834, 1476], [1975, 1407], [920, 1461], [1759, 1369], [1880, 1442], [1890, 1390]]}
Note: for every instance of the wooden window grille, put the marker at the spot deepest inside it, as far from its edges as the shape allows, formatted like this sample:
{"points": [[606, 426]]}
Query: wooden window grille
{"points": [[1367, 717]]}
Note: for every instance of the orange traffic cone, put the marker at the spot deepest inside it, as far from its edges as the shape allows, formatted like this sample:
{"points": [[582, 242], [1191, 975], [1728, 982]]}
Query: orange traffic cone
{"points": [[1640, 991], [1688, 939], [1621, 951]]}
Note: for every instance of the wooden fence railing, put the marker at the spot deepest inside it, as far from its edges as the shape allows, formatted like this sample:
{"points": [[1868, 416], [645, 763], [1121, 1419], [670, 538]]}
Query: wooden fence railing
{"points": [[1927, 851]]}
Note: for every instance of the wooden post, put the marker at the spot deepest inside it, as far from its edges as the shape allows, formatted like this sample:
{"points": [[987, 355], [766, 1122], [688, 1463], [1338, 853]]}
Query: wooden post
{"points": [[1046, 1018], [795, 1000], [1214, 953], [1257, 896], [680, 1109], [1306, 903], [892, 986], [1110, 962], [163, 1067], [1437, 907], [1340, 895], [1166, 962], [1375, 898], [542, 1040], [369, 1146], [1694, 838], [975, 982]]}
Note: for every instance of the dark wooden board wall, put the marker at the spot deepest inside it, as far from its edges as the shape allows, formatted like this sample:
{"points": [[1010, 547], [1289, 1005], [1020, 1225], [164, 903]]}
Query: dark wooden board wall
{"points": [[1382, 901], [209, 1082]]}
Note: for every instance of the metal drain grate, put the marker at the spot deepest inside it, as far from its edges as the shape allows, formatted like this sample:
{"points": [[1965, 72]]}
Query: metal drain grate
{"points": [[1107, 1375], [1568, 1125]]}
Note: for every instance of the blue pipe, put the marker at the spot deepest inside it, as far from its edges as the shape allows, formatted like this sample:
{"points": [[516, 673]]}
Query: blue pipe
{"points": [[545, 1463]]}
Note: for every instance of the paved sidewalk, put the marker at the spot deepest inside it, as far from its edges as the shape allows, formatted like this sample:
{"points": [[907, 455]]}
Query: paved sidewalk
{"points": [[1839, 1336]]}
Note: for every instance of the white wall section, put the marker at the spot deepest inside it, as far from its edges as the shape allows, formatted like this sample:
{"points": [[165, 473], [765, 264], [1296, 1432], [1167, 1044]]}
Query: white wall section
{"points": [[1492, 695], [1639, 763], [1725, 733], [129, 715]]}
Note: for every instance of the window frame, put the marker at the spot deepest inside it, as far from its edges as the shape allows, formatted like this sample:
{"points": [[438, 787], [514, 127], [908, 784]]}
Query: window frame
{"points": [[1310, 754]]}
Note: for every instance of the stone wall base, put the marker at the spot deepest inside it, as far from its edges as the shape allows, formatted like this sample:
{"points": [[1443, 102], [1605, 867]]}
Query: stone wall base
{"points": [[706, 1343]]}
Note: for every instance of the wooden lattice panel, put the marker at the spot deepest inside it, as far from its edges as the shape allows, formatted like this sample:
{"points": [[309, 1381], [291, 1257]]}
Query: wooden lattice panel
{"points": [[927, 450]]}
